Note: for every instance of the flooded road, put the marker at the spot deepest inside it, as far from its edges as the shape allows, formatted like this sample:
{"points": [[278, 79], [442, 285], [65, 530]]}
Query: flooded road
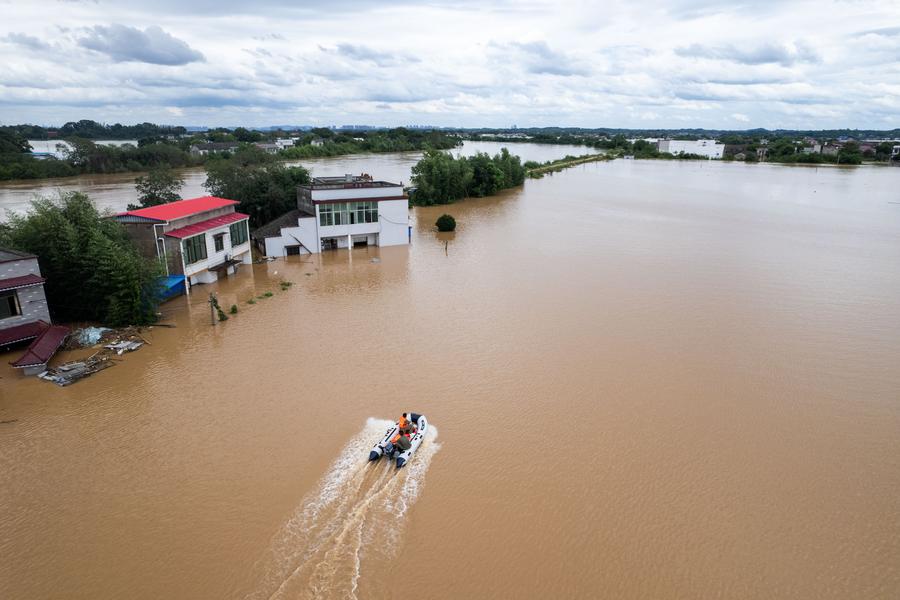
{"points": [[651, 380], [116, 191]]}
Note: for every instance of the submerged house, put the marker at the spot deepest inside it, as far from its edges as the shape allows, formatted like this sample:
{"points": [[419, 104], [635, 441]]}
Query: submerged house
{"points": [[198, 240], [339, 212], [24, 315]]}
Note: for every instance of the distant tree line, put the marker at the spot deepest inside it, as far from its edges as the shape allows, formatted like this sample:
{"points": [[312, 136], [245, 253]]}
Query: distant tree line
{"points": [[440, 178], [335, 143]]}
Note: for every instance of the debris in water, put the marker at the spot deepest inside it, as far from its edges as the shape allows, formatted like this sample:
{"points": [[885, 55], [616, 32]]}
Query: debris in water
{"points": [[115, 343], [88, 336]]}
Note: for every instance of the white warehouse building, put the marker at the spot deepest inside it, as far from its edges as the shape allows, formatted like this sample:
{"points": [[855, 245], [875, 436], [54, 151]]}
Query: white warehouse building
{"points": [[340, 212], [707, 148]]}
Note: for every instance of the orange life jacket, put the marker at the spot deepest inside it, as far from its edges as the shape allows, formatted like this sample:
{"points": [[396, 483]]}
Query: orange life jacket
{"points": [[403, 423], [395, 439]]}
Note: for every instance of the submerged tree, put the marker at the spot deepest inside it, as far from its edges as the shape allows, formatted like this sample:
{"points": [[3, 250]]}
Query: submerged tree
{"points": [[93, 271], [160, 186]]}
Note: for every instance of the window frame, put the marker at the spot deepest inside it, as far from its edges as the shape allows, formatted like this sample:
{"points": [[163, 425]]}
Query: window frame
{"points": [[242, 228], [15, 305], [190, 246], [219, 240]]}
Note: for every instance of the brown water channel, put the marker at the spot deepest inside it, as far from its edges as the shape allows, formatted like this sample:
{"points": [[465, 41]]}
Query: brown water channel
{"points": [[649, 379]]}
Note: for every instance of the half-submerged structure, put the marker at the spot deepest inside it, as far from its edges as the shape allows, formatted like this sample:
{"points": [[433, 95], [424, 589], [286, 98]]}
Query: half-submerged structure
{"points": [[339, 212], [197, 240], [24, 315]]}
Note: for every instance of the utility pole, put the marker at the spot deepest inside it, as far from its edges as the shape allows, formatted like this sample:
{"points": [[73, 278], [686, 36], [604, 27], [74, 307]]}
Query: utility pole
{"points": [[212, 309]]}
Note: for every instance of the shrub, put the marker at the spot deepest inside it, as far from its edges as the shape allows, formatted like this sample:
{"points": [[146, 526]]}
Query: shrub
{"points": [[268, 294], [234, 309], [251, 301], [446, 223]]}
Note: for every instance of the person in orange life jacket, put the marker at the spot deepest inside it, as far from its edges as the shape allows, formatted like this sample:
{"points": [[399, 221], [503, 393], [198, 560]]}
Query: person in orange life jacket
{"points": [[401, 441], [405, 424]]}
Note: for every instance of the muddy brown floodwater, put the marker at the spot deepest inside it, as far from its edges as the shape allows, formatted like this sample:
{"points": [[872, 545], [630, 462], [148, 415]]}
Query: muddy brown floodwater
{"points": [[646, 379]]}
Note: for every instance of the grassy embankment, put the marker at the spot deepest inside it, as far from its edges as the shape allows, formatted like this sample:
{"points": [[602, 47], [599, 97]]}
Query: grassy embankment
{"points": [[538, 170]]}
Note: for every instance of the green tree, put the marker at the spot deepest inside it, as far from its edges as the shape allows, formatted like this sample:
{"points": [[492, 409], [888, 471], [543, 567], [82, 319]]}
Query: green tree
{"points": [[266, 188], [93, 271], [160, 186], [446, 223]]}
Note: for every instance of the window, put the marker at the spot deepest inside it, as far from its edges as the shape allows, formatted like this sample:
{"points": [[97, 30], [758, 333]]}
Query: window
{"points": [[219, 241], [194, 249], [239, 233], [348, 213], [9, 305]]}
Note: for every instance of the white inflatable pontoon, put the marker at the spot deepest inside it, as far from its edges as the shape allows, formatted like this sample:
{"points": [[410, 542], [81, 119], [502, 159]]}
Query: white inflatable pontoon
{"points": [[386, 448]]}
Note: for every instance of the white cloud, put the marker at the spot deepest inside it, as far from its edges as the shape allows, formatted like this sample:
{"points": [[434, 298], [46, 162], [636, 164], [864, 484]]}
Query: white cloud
{"points": [[659, 63]]}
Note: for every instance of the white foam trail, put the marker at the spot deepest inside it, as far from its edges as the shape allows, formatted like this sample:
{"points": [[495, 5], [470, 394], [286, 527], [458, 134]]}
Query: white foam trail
{"points": [[357, 505]]}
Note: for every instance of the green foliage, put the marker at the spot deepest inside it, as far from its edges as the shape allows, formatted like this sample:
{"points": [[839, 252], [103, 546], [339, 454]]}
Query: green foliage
{"points": [[446, 223], [268, 294], [93, 271], [234, 309], [285, 285], [391, 140], [441, 178], [266, 188], [251, 301], [159, 186], [221, 314]]}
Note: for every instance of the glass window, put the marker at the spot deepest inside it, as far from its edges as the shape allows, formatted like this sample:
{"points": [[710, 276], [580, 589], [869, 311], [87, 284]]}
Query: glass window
{"points": [[194, 249], [239, 233], [219, 241], [9, 305]]}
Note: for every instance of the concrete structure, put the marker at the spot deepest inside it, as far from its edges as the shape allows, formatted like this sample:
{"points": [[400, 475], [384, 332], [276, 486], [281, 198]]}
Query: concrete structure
{"points": [[267, 147], [213, 147], [340, 212], [317, 142], [283, 143], [707, 148], [22, 298], [24, 314], [200, 238]]}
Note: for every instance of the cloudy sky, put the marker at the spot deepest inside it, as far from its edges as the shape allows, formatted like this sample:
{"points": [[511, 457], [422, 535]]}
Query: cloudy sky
{"points": [[680, 63]]}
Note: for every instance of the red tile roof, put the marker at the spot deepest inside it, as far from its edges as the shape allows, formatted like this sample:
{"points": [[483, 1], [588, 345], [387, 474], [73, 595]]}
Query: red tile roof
{"points": [[20, 282], [188, 231], [20, 333], [180, 209], [43, 348]]}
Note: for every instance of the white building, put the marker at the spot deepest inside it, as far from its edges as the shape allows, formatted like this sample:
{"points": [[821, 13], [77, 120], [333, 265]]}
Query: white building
{"points": [[200, 239], [283, 143], [707, 148], [340, 212]]}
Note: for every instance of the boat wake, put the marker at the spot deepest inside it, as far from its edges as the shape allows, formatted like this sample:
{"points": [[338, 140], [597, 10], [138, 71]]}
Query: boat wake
{"points": [[354, 514]]}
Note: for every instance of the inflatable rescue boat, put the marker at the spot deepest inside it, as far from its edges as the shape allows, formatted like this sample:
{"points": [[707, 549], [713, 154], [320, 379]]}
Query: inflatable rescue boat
{"points": [[386, 448]]}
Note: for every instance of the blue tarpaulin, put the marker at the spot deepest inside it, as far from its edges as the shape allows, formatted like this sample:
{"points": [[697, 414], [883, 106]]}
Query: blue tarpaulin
{"points": [[172, 285]]}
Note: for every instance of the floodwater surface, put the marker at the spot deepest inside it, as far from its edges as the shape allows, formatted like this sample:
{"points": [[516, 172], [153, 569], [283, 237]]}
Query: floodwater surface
{"points": [[116, 191], [651, 380]]}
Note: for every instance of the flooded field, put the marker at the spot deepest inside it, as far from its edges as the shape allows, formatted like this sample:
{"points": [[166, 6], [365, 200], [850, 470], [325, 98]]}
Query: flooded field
{"points": [[651, 380]]}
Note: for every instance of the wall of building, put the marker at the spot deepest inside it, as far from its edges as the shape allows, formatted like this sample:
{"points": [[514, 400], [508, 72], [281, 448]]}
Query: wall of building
{"points": [[707, 148], [354, 194], [305, 232], [198, 270], [32, 300], [393, 216]]}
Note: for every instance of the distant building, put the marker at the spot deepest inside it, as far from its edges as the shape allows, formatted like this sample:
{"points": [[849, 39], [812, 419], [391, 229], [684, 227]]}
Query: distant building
{"points": [[213, 147], [707, 148], [317, 142], [831, 149], [339, 212], [268, 148], [283, 143], [24, 314], [200, 239]]}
